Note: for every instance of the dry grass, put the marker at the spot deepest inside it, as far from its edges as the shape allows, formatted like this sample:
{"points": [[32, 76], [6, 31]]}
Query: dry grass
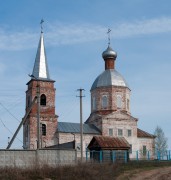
{"points": [[76, 172]]}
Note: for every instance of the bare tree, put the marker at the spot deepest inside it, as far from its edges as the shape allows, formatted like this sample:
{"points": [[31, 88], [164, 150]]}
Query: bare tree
{"points": [[160, 140]]}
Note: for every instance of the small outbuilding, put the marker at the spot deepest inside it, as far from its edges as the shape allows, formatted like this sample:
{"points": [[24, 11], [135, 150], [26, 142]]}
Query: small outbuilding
{"points": [[106, 148]]}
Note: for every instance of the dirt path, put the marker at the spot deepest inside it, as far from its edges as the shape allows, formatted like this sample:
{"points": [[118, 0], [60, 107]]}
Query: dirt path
{"points": [[155, 174]]}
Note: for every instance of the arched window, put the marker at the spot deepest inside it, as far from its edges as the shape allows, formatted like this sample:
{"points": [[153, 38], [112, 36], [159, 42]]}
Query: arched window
{"points": [[43, 129], [43, 100], [94, 103], [104, 101], [119, 101]]}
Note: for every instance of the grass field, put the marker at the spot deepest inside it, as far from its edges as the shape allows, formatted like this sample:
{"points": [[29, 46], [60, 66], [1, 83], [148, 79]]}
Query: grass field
{"points": [[90, 171]]}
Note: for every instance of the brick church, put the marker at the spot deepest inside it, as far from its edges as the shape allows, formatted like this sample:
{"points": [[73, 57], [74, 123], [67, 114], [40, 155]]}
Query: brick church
{"points": [[110, 109]]}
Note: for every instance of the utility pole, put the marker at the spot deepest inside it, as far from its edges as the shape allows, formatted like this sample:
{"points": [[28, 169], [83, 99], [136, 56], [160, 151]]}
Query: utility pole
{"points": [[81, 122], [21, 123]]}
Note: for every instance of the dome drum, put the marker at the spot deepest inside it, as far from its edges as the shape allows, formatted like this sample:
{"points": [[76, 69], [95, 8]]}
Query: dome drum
{"points": [[110, 99]]}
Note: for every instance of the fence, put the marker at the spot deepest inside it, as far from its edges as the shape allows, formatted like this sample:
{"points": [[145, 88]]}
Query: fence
{"points": [[149, 155], [125, 156], [53, 157], [107, 156], [166, 155], [27, 158]]}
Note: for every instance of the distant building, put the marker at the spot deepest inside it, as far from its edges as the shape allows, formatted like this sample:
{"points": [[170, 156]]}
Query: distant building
{"points": [[110, 109]]}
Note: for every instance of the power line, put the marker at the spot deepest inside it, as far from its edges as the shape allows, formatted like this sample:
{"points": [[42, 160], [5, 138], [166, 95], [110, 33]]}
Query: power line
{"points": [[13, 101], [9, 112], [9, 130], [68, 111]]}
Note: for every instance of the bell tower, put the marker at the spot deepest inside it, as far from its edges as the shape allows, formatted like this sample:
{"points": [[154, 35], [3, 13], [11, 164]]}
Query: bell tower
{"points": [[39, 129]]}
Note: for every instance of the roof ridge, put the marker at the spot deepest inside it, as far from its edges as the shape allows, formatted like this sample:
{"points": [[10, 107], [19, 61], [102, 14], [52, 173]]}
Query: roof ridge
{"points": [[142, 133]]}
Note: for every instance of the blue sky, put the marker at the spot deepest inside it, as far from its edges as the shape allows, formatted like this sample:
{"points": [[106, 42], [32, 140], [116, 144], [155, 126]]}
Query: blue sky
{"points": [[75, 37]]}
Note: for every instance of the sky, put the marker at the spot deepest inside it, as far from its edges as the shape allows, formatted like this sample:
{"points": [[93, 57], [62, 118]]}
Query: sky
{"points": [[75, 35]]}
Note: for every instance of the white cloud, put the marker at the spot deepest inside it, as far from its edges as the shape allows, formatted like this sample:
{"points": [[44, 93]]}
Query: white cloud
{"points": [[58, 33], [144, 27]]}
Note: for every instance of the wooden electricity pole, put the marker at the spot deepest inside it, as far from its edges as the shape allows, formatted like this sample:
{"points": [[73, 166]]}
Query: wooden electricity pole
{"points": [[21, 123]]}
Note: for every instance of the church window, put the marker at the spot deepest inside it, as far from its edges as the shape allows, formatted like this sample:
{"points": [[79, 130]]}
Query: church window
{"points": [[127, 104], [120, 132], [129, 132], [110, 132], [104, 101], [44, 129], [119, 101], [43, 100], [94, 103], [144, 150]]}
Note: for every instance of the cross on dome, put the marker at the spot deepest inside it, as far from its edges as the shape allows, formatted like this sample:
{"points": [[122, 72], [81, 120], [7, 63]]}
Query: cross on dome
{"points": [[108, 32]]}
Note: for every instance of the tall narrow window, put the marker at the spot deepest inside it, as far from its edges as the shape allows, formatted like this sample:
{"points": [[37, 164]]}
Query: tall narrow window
{"points": [[43, 100], [127, 104], [144, 150], [119, 101], [104, 101], [44, 129], [94, 103], [110, 132]]}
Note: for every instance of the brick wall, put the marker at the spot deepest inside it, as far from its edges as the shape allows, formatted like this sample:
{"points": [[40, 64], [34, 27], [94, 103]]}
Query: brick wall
{"points": [[111, 92], [47, 115]]}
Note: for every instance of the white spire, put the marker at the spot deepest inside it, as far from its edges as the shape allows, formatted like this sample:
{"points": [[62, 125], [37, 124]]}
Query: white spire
{"points": [[40, 70]]}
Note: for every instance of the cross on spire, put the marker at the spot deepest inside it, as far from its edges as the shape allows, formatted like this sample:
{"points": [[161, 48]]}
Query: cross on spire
{"points": [[108, 32], [41, 22]]}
